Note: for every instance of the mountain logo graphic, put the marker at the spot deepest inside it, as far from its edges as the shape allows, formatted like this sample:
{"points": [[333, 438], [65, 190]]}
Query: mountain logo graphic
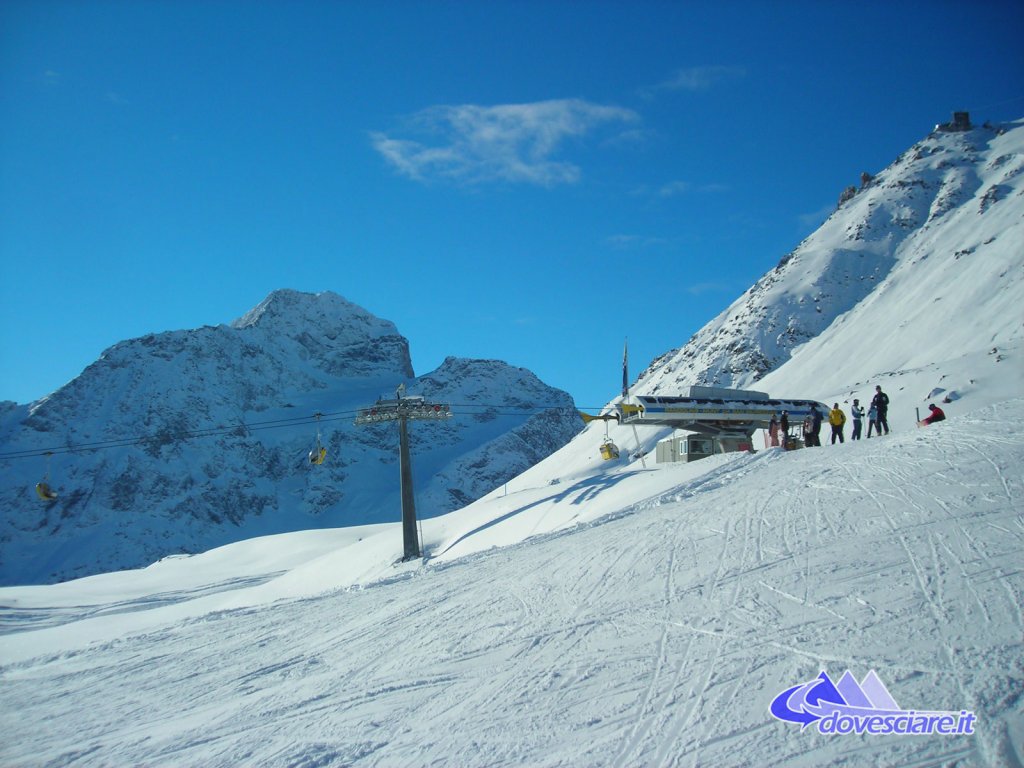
{"points": [[847, 706]]}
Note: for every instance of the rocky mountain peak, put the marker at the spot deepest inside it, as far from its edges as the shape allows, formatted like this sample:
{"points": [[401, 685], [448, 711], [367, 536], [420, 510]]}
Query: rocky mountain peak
{"points": [[285, 310], [917, 207], [331, 333], [204, 438]]}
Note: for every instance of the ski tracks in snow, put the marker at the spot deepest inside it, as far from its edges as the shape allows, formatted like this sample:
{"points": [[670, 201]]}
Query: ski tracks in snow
{"points": [[656, 635], [962, 574]]}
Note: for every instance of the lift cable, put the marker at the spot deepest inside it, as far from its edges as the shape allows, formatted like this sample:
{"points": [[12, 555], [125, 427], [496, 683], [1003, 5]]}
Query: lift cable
{"points": [[493, 409], [128, 441]]}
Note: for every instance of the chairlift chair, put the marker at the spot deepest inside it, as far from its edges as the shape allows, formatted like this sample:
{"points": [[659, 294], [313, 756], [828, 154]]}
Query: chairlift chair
{"points": [[45, 492], [43, 489], [319, 452], [609, 450]]}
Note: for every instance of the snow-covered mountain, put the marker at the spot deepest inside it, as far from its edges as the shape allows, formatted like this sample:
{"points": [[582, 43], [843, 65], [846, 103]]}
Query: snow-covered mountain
{"points": [[923, 263], [604, 613], [294, 355]]}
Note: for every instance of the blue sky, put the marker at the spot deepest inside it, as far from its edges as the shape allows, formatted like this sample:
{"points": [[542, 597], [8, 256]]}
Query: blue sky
{"points": [[528, 181]]}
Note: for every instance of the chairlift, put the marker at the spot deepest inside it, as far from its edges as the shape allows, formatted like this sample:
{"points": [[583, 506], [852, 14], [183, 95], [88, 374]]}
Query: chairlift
{"points": [[319, 452], [43, 489], [609, 450]]}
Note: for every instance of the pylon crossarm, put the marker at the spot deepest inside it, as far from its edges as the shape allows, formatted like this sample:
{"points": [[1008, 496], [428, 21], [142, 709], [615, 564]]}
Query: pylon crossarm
{"points": [[406, 408]]}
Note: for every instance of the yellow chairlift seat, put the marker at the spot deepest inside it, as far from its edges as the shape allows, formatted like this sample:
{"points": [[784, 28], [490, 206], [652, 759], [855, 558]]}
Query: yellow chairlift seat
{"points": [[609, 450], [319, 453], [45, 492], [43, 489]]}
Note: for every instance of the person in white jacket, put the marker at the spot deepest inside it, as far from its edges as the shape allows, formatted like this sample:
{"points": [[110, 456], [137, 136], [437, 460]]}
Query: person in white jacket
{"points": [[857, 412]]}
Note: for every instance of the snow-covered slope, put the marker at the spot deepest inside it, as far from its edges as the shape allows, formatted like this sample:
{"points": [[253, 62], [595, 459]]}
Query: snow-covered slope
{"points": [[923, 264], [619, 616], [294, 355]]}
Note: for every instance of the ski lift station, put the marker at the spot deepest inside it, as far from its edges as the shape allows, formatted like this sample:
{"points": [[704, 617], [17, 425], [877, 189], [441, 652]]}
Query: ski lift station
{"points": [[694, 446], [716, 419]]}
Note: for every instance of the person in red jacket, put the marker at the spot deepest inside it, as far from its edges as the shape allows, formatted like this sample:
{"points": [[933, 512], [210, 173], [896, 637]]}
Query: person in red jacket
{"points": [[936, 415]]}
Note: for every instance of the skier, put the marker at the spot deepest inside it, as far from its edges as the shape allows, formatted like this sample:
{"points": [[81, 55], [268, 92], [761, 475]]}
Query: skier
{"points": [[936, 415], [873, 419], [881, 403], [812, 428], [816, 417], [858, 415], [773, 432], [837, 419]]}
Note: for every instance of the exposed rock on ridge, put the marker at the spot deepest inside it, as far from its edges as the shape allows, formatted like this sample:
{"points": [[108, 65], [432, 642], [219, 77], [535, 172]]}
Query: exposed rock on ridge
{"points": [[907, 211], [183, 490]]}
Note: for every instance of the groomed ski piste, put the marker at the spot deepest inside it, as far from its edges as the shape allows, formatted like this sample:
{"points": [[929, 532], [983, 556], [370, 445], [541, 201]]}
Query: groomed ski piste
{"points": [[589, 613]]}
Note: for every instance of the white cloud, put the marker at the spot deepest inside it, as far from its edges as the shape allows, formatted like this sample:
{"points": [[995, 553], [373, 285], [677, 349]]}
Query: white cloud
{"points": [[701, 78], [673, 188], [814, 219], [698, 289], [624, 241], [678, 187], [509, 142]]}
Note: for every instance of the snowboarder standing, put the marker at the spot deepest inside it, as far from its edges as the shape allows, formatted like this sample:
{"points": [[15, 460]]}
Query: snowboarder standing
{"points": [[773, 432], [881, 403], [837, 419], [858, 415]]}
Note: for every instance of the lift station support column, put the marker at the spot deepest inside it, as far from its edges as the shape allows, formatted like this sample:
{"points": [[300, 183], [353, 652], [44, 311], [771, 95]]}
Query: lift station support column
{"points": [[402, 409]]}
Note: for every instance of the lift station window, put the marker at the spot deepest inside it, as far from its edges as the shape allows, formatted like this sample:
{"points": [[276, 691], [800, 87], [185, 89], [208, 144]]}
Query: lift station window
{"points": [[700, 446]]}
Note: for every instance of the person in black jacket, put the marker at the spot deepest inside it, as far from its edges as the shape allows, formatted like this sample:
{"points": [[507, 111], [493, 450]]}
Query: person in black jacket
{"points": [[881, 403], [812, 427]]}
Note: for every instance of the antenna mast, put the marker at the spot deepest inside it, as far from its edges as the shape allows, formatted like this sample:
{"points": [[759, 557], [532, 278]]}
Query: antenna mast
{"points": [[625, 398]]}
